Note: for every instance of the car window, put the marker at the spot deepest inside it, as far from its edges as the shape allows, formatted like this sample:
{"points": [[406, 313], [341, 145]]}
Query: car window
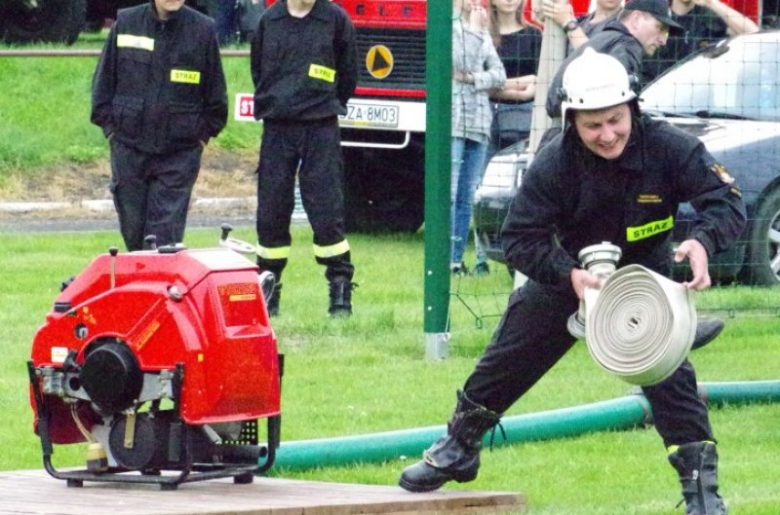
{"points": [[736, 79]]}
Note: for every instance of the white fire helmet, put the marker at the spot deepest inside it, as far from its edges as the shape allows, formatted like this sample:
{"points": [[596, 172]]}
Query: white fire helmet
{"points": [[595, 81]]}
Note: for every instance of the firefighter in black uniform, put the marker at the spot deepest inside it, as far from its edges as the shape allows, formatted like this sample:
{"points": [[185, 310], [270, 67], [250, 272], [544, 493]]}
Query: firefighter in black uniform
{"points": [[609, 173], [641, 29], [304, 67], [159, 95]]}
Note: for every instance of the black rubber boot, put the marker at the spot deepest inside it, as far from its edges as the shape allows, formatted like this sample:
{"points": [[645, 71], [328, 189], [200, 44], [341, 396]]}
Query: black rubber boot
{"points": [[341, 297], [697, 465], [456, 455], [707, 329], [272, 304], [270, 275]]}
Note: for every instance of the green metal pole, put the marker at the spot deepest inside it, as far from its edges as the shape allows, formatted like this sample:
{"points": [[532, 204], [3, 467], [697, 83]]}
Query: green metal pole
{"points": [[438, 58]]}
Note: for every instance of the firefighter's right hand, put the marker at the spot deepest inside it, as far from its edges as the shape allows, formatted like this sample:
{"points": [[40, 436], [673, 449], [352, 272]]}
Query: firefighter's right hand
{"points": [[581, 279], [560, 11], [696, 254]]}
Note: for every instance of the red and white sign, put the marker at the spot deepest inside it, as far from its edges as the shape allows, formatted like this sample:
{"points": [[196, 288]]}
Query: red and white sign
{"points": [[245, 107]]}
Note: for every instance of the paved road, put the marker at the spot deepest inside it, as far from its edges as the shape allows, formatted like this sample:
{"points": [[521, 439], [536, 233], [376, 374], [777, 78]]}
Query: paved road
{"points": [[67, 222], [204, 213]]}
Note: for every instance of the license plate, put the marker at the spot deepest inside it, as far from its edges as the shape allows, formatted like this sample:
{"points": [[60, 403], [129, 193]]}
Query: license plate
{"points": [[370, 115]]}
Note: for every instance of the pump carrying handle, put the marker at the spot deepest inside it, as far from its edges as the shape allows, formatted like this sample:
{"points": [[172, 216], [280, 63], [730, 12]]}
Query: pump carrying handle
{"points": [[240, 246]]}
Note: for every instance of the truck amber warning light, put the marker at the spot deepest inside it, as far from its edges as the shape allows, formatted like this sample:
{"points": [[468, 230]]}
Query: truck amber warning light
{"points": [[379, 61]]}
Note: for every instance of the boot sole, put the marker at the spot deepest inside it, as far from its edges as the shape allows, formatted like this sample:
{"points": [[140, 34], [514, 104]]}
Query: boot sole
{"points": [[416, 488]]}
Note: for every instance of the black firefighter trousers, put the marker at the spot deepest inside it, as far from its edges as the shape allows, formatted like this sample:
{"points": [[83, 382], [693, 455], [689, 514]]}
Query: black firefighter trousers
{"points": [[312, 151], [532, 336], [152, 192]]}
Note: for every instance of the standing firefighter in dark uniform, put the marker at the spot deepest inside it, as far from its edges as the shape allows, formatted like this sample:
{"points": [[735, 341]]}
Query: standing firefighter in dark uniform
{"points": [[304, 67], [611, 173], [159, 95]]}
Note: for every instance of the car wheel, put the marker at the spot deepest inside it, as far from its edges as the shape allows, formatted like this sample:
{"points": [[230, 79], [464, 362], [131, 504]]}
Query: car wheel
{"points": [[762, 264], [51, 21]]}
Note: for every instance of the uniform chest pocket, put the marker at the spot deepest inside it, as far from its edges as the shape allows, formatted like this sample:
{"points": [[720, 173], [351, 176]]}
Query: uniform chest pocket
{"points": [[133, 70], [321, 61], [134, 57], [185, 83]]}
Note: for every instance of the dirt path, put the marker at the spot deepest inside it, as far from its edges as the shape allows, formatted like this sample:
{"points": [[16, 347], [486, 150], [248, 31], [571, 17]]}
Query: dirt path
{"points": [[223, 175]]}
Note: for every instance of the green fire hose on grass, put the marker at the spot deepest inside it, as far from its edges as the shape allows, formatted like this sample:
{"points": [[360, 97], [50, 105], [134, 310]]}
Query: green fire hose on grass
{"points": [[625, 412]]}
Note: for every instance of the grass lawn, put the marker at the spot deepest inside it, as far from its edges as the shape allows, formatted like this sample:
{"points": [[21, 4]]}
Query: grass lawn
{"points": [[369, 374]]}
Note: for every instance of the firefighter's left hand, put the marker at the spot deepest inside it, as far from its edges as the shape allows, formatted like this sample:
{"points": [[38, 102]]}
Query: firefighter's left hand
{"points": [[699, 262], [581, 279]]}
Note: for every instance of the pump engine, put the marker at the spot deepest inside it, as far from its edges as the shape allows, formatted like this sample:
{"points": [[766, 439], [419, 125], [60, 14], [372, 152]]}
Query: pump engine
{"points": [[163, 362]]}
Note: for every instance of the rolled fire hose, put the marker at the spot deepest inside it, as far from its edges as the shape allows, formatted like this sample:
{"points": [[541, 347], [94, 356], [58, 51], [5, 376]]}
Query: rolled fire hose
{"points": [[640, 325]]}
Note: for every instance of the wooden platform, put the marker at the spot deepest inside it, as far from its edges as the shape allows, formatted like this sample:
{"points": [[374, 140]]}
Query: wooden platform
{"points": [[35, 492]]}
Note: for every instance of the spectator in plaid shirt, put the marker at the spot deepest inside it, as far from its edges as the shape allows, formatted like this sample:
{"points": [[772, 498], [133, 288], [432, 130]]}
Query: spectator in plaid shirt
{"points": [[706, 22], [476, 70]]}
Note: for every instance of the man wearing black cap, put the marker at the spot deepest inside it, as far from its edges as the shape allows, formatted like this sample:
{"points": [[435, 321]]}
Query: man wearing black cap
{"points": [[705, 22], [640, 30]]}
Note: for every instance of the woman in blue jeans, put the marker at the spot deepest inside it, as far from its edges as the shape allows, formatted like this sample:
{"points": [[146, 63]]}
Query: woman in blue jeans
{"points": [[477, 69]]}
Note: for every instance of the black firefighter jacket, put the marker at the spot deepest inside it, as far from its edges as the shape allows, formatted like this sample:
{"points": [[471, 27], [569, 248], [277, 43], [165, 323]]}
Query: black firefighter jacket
{"points": [[570, 198], [304, 69], [159, 86]]}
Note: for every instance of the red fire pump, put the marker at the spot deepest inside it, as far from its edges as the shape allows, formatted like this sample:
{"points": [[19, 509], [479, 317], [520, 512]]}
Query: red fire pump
{"points": [[160, 360]]}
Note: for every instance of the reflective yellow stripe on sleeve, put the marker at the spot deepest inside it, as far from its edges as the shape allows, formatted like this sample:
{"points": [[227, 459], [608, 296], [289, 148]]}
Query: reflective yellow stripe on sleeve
{"points": [[328, 251], [131, 41], [649, 229], [273, 253]]}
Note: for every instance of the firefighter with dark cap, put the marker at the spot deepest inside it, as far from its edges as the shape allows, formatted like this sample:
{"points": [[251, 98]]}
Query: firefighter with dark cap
{"points": [[611, 172], [304, 67], [639, 31], [159, 95]]}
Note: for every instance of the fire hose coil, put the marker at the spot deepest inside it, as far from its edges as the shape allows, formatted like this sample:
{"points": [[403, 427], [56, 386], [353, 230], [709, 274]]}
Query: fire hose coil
{"points": [[640, 326]]}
